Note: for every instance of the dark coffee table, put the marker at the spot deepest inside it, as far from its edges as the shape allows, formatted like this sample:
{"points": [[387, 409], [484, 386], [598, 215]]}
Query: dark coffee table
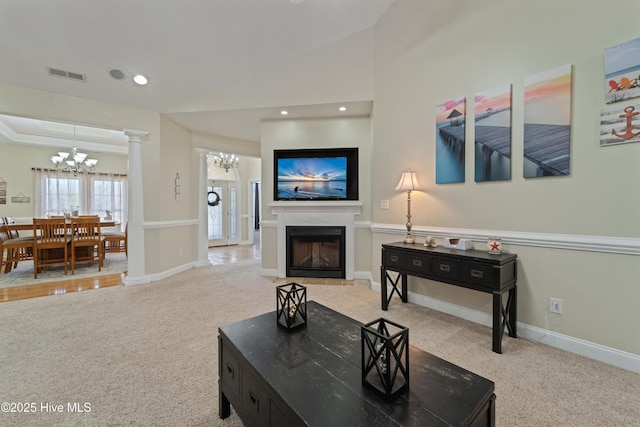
{"points": [[312, 376]]}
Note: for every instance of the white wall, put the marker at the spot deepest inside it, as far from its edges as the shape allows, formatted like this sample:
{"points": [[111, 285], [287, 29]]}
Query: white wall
{"points": [[427, 53]]}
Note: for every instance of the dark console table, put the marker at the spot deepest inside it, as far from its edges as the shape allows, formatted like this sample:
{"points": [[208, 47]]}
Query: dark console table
{"points": [[312, 377], [472, 269]]}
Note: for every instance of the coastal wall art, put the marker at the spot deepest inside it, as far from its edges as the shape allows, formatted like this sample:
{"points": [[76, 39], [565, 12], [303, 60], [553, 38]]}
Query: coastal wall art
{"points": [[493, 134], [620, 124], [547, 123], [450, 139], [622, 71]]}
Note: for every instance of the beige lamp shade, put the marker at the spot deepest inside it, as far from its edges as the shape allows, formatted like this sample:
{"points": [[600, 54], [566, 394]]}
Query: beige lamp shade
{"points": [[408, 182]]}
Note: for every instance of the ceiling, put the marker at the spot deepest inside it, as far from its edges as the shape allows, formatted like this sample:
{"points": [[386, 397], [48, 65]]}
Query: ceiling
{"points": [[214, 66]]}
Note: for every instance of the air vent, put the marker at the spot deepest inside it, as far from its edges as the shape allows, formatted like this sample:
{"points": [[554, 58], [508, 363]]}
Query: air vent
{"points": [[67, 74]]}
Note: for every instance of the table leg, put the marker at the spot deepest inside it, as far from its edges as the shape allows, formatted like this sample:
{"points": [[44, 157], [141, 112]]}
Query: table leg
{"points": [[224, 407], [383, 288], [404, 295], [513, 307], [497, 322]]}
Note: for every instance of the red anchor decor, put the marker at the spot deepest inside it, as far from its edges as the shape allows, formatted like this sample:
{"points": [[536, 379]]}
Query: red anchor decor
{"points": [[630, 113]]}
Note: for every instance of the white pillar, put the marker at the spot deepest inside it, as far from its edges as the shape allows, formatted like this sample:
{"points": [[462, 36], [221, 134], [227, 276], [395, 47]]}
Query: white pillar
{"points": [[135, 241], [203, 233]]}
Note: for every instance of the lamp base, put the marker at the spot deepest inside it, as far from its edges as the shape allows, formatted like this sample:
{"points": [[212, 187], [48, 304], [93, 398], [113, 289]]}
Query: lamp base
{"points": [[409, 239]]}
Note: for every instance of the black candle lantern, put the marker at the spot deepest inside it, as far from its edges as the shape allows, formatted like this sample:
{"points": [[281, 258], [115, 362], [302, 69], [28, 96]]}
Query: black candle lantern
{"points": [[385, 357], [291, 305]]}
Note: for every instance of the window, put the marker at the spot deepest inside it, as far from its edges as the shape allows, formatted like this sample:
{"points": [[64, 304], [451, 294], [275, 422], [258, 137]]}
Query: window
{"points": [[88, 193]]}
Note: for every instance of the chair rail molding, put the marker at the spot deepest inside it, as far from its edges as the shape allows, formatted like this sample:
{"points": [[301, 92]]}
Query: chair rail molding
{"points": [[616, 245]]}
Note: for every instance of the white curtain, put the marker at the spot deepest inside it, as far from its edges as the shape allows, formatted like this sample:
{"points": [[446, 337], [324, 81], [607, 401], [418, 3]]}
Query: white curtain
{"points": [[88, 193]]}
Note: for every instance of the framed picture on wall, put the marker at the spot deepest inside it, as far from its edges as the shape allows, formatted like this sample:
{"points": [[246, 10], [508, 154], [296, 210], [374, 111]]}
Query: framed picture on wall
{"points": [[622, 71], [493, 134], [620, 124], [450, 139], [547, 123]]}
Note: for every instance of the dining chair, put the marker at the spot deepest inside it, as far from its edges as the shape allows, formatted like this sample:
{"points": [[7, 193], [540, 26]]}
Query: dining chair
{"points": [[17, 248], [9, 220], [86, 241], [50, 244], [115, 241], [4, 254], [25, 252]]}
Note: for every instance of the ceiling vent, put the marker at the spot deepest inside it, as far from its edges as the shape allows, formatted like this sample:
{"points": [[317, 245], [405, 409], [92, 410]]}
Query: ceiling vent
{"points": [[67, 74]]}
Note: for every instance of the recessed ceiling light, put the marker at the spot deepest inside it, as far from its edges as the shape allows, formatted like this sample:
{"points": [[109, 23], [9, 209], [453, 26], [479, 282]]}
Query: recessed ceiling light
{"points": [[116, 74], [140, 79], [343, 108], [284, 112]]}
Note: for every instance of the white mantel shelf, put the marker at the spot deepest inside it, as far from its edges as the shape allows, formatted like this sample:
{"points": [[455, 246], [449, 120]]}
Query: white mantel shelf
{"points": [[314, 204], [313, 213]]}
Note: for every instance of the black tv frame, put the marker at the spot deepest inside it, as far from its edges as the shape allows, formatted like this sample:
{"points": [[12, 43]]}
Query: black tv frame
{"points": [[351, 182]]}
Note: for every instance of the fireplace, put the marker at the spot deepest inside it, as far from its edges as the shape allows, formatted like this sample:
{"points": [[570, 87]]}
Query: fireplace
{"points": [[312, 213], [315, 251]]}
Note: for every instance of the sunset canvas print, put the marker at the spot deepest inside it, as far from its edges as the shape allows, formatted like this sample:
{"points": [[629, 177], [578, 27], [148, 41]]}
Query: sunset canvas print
{"points": [[493, 134], [547, 123], [450, 139]]}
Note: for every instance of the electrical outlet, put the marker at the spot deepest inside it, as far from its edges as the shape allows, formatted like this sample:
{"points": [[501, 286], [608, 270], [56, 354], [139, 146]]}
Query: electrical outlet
{"points": [[179, 252], [384, 204], [555, 305]]}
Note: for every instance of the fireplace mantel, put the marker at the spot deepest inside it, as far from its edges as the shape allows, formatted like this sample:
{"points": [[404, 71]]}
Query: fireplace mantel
{"points": [[300, 213]]}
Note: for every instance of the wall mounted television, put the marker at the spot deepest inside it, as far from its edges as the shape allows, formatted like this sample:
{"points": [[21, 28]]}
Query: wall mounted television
{"points": [[315, 174]]}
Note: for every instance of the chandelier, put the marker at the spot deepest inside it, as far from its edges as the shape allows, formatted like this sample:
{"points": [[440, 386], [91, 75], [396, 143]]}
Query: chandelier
{"points": [[225, 161], [75, 161]]}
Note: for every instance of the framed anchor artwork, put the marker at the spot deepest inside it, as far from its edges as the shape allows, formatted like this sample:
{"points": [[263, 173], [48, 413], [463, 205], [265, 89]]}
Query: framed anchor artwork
{"points": [[620, 124]]}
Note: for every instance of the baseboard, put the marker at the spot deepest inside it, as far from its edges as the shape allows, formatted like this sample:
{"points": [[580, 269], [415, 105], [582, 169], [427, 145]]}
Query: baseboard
{"points": [[611, 356], [172, 271]]}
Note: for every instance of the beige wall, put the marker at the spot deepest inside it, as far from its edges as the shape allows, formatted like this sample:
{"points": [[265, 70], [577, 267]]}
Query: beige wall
{"points": [[426, 54], [16, 162]]}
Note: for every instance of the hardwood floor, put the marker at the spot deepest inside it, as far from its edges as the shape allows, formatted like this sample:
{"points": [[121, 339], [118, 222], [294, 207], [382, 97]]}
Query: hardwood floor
{"points": [[217, 255]]}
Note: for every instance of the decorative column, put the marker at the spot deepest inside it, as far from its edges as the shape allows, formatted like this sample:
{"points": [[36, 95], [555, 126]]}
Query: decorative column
{"points": [[203, 234], [135, 241]]}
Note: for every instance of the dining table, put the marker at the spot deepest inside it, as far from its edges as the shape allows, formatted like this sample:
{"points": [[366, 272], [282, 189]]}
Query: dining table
{"points": [[28, 226]]}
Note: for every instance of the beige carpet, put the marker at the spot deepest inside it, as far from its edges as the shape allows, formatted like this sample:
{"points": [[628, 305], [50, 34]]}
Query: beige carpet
{"points": [[114, 263], [147, 355]]}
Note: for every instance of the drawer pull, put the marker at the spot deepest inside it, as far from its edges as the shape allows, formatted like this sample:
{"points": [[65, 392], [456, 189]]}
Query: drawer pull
{"points": [[477, 274], [445, 267], [253, 398], [417, 263], [394, 258], [231, 371]]}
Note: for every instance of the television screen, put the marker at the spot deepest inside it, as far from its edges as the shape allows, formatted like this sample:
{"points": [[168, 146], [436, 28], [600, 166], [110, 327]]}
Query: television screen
{"points": [[315, 174]]}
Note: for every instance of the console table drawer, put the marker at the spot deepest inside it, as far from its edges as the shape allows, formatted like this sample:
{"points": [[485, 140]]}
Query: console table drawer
{"points": [[417, 262], [393, 259], [492, 277], [445, 268], [478, 274], [230, 371]]}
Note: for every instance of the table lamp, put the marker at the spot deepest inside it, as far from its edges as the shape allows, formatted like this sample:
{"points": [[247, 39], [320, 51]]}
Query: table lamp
{"points": [[408, 182]]}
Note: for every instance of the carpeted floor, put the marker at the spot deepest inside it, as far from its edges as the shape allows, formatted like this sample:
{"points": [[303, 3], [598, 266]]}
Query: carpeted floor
{"points": [[114, 263], [147, 354]]}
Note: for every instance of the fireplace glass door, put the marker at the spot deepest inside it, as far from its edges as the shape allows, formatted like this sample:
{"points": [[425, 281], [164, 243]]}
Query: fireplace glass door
{"points": [[315, 252]]}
